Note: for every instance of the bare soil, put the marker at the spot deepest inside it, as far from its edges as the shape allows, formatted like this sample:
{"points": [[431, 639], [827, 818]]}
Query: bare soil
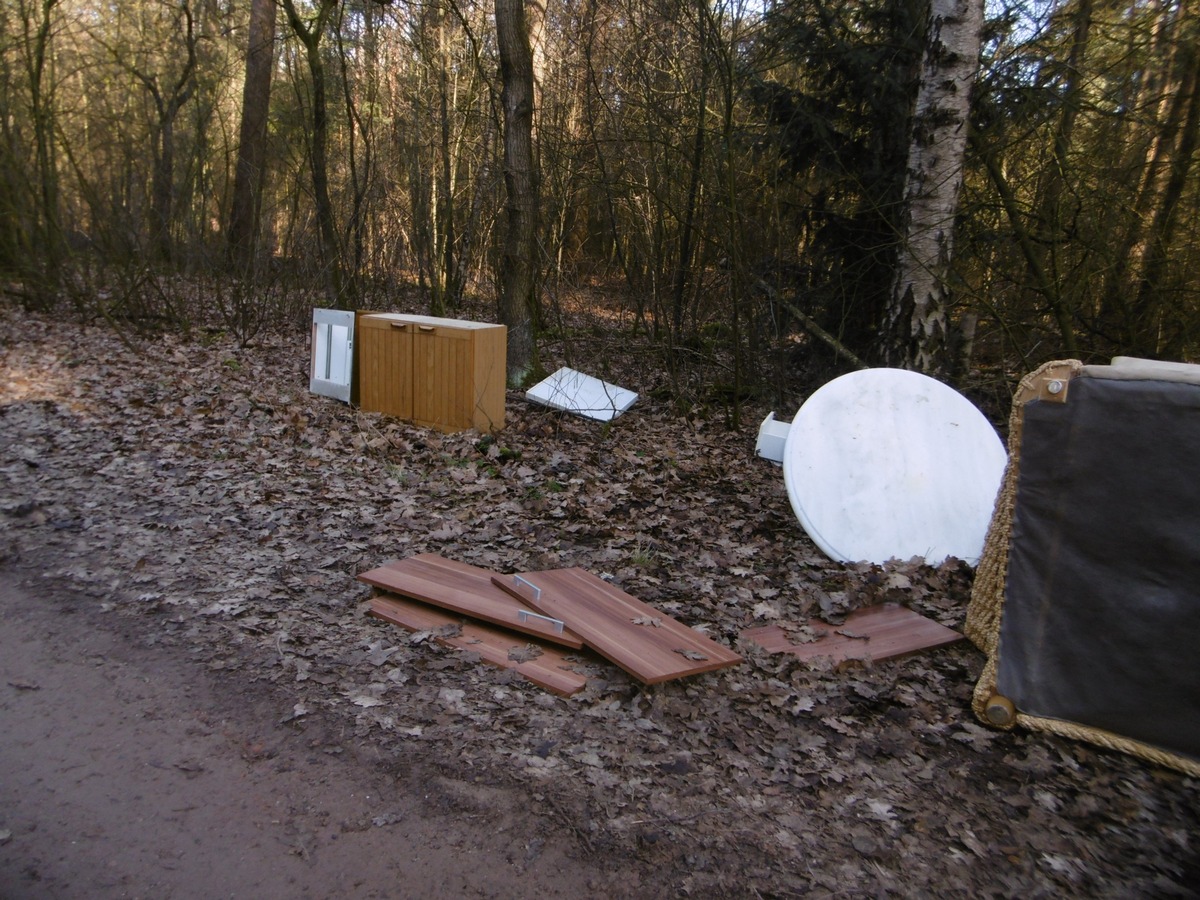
{"points": [[194, 703], [130, 772]]}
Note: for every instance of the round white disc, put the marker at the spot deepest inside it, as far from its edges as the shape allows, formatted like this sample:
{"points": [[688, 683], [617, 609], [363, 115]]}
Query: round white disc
{"points": [[890, 464]]}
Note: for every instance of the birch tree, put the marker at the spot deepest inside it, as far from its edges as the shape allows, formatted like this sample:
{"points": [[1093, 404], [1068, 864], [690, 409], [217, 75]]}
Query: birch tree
{"points": [[918, 317]]}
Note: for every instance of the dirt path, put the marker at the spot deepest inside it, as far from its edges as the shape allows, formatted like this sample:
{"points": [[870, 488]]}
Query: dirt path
{"points": [[129, 773]]}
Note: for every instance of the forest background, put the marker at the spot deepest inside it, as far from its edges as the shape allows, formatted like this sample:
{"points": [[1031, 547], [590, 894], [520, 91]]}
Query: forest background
{"points": [[732, 181]]}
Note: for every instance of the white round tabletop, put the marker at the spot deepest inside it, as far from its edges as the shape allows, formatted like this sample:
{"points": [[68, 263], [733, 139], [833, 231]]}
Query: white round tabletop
{"points": [[890, 464]]}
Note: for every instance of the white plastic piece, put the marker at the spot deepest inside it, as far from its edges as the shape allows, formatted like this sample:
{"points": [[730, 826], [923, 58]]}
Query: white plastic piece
{"points": [[772, 437], [332, 353], [890, 464], [581, 394]]}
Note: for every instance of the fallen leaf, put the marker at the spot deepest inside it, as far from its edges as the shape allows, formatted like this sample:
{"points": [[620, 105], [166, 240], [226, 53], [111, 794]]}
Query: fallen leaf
{"points": [[297, 711], [765, 610], [524, 654]]}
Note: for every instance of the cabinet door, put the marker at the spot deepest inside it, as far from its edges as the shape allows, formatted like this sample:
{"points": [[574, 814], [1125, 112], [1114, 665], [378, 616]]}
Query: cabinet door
{"points": [[442, 376], [385, 348], [331, 366]]}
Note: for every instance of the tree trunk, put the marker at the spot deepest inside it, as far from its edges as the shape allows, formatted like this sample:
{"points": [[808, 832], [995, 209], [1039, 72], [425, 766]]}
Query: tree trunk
{"points": [[246, 209], [683, 267], [47, 241], [446, 291], [1184, 123], [918, 315], [1056, 231], [162, 189], [518, 262], [310, 36], [1150, 135], [168, 107]]}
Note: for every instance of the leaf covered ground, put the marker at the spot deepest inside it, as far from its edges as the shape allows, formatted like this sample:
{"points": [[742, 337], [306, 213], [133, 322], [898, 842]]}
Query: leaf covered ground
{"points": [[199, 490]]}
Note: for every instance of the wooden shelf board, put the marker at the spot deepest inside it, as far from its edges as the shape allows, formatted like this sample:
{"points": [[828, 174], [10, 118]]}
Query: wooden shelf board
{"points": [[619, 627], [464, 589], [551, 670], [875, 633]]}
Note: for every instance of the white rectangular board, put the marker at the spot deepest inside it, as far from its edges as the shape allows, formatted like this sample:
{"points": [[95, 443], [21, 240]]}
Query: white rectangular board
{"points": [[332, 353], [581, 394]]}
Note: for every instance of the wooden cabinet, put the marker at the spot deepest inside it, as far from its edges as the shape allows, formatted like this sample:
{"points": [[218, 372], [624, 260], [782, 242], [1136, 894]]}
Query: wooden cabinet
{"points": [[447, 374]]}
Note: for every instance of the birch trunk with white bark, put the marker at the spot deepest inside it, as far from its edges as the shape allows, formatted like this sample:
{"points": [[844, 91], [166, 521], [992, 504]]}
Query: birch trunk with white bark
{"points": [[918, 326]]}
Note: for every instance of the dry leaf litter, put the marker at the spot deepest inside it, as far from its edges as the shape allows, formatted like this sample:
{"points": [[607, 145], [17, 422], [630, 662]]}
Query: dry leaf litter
{"points": [[200, 488]]}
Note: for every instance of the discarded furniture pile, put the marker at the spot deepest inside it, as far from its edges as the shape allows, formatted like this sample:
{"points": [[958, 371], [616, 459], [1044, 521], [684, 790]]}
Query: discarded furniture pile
{"points": [[447, 374], [1086, 532]]}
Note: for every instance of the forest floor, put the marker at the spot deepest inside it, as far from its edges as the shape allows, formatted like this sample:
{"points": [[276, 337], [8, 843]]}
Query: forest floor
{"points": [[193, 701]]}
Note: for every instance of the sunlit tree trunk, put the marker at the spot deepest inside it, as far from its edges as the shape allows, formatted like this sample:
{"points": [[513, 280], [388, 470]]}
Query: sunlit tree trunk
{"points": [[242, 236], [918, 317], [1152, 143], [518, 270], [37, 20], [310, 34], [168, 104]]}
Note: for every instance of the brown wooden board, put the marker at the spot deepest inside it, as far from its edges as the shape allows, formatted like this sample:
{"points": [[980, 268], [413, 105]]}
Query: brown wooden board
{"points": [[648, 644], [464, 589], [874, 633], [550, 670]]}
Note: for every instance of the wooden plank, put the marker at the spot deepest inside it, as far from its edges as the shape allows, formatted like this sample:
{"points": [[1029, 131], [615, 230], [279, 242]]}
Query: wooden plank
{"points": [[874, 633], [648, 644], [467, 590], [550, 670]]}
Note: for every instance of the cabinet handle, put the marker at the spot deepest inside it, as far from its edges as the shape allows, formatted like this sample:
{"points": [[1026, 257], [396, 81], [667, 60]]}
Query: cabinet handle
{"points": [[524, 615], [428, 329], [401, 325]]}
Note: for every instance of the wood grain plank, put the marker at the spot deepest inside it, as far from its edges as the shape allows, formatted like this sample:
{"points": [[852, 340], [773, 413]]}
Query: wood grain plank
{"points": [[464, 589], [874, 633], [648, 644], [551, 670]]}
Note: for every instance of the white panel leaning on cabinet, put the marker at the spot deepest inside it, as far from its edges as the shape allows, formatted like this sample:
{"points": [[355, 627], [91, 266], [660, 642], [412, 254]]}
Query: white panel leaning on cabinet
{"points": [[332, 363]]}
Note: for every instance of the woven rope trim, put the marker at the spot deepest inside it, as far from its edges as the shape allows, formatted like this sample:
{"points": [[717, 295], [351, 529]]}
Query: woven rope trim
{"points": [[1110, 741], [982, 625]]}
